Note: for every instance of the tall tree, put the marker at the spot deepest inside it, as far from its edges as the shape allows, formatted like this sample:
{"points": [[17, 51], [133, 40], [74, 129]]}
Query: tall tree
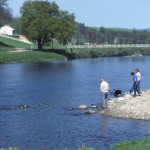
{"points": [[44, 21], [5, 13], [65, 27]]}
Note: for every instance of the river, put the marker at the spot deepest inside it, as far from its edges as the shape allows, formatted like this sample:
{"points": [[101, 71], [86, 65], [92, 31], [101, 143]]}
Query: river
{"points": [[49, 88]]}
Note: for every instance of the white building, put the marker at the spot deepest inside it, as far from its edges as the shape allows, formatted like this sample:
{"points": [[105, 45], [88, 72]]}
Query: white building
{"points": [[7, 30]]}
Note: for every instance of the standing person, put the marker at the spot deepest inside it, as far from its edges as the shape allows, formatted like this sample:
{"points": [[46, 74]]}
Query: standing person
{"points": [[139, 80], [135, 81], [104, 88]]}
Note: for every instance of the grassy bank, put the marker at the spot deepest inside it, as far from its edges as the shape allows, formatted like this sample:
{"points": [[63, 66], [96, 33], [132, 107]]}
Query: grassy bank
{"points": [[13, 43], [29, 56], [89, 53], [8, 56], [133, 145], [12, 51], [7, 46], [127, 145]]}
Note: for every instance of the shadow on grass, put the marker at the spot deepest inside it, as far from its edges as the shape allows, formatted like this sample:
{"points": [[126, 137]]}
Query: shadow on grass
{"points": [[63, 52], [5, 45]]}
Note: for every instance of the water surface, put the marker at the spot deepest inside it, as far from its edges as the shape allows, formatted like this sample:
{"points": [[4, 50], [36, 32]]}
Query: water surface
{"points": [[51, 87]]}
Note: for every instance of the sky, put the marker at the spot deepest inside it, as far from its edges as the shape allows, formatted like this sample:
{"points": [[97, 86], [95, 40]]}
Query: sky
{"points": [[102, 13]]}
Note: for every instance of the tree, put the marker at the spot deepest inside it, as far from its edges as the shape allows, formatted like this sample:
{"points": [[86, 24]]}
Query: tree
{"points": [[43, 21], [65, 27], [5, 13]]}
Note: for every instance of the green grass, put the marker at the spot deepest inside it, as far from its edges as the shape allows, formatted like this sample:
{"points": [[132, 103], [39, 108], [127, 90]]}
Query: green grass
{"points": [[19, 44], [29, 56], [113, 29], [108, 52], [14, 43], [83, 53], [133, 145], [5, 48], [8, 46], [120, 29], [127, 145]]}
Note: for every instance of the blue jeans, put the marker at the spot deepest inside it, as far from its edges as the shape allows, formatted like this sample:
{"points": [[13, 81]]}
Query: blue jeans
{"points": [[133, 88], [104, 99], [138, 87]]}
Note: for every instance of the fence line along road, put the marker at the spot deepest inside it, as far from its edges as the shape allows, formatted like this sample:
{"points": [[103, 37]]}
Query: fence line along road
{"points": [[109, 46]]}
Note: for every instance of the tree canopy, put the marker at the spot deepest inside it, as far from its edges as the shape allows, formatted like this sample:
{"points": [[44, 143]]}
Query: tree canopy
{"points": [[5, 13], [44, 21]]}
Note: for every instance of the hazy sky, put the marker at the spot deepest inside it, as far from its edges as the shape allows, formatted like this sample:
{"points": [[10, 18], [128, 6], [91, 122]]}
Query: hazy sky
{"points": [[106, 13]]}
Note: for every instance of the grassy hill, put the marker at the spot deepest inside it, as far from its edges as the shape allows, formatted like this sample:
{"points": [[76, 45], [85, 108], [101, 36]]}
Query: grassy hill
{"points": [[120, 29], [11, 51], [9, 42]]}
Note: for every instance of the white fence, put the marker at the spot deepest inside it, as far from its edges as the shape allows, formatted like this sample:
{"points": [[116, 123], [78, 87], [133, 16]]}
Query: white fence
{"points": [[109, 46]]}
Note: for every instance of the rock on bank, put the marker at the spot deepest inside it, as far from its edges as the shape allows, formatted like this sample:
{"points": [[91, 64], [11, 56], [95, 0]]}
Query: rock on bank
{"points": [[130, 107]]}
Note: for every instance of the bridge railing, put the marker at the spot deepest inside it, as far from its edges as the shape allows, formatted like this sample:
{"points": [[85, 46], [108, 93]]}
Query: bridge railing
{"points": [[109, 46]]}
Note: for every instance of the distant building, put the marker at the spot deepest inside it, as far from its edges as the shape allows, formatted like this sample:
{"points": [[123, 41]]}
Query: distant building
{"points": [[116, 40], [7, 30]]}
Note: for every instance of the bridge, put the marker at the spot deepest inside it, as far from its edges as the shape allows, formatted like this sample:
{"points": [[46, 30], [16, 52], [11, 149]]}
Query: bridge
{"points": [[108, 46]]}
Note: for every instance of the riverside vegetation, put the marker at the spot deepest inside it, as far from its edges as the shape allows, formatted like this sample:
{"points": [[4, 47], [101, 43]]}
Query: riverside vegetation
{"points": [[110, 52], [9, 49], [58, 25], [127, 145], [12, 51]]}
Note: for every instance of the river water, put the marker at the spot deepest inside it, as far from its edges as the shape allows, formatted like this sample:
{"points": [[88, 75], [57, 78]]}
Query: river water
{"points": [[51, 87]]}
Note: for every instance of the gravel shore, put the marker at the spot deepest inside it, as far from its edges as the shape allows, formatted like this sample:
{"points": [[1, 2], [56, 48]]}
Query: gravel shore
{"points": [[130, 107]]}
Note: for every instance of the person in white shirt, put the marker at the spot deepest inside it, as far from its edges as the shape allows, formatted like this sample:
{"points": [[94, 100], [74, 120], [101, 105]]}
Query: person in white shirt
{"points": [[104, 88], [139, 80]]}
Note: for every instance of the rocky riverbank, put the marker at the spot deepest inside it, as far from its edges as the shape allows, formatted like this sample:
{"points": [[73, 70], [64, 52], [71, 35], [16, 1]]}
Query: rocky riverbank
{"points": [[130, 107]]}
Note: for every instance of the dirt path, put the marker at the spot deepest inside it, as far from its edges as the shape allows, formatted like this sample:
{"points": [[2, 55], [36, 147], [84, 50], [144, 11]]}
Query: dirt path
{"points": [[19, 50]]}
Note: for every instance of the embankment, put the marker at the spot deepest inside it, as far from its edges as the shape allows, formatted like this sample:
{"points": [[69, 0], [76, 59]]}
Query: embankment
{"points": [[130, 107]]}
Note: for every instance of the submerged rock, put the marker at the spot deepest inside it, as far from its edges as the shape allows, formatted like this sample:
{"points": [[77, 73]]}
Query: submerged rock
{"points": [[83, 107], [89, 112], [70, 108], [14, 107], [94, 106], [24, 106]]}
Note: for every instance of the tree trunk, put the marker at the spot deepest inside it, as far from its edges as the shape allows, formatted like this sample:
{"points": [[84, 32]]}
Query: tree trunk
{"points": [[52, 44], [40, 44]]}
